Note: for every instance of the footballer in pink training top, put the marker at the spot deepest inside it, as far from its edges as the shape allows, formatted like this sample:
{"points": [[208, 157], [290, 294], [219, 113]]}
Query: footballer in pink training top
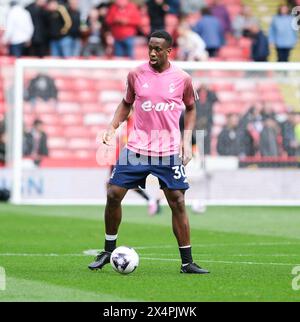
{"points": [[157, 92]]}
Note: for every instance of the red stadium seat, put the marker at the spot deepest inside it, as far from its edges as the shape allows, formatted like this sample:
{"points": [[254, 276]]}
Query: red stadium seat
{"points": [[68, 107], [234, 10], [51, 130], [64, 84], [76, 132], [81, 143], [90, 107], [222, 86], [60, 154], [93, 119], [87, 96], [57, 143], [83, 84], [71, 119], [50, 119], [267, 86], [273, 96], [67, 96], [228, 96], [247, 96], [111, 96]]}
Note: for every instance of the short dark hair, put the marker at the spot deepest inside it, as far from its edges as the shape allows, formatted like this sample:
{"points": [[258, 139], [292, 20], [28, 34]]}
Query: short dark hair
{"points": [[37, 122], [205, 11], [164, 35]]}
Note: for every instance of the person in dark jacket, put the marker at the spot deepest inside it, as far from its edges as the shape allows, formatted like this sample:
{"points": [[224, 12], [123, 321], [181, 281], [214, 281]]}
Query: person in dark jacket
{"points": [[59, 24], [268, 145], [204, 107], [74, 31], [288, 134], [260, 44], [35, 143], [39, 43], [157, 9], [2, 143], [41, 87], [229, 139]]}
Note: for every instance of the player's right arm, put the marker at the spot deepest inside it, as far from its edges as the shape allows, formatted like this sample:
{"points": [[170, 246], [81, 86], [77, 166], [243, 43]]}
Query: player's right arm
{"points": [[120, 116], [122, 111]]}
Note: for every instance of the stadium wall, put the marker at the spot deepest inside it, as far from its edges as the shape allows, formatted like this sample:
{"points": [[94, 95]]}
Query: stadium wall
{"points": [[220, 187]]}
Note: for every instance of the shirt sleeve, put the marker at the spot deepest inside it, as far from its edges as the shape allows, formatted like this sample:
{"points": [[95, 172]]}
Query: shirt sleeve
{"points": [[189, 94], [130, 93]]}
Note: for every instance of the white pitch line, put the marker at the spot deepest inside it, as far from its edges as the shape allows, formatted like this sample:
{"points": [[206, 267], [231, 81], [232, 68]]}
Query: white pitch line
{"points": [[226, 255], [153, 259], [220, 245], [222, 262], [41, 255]]}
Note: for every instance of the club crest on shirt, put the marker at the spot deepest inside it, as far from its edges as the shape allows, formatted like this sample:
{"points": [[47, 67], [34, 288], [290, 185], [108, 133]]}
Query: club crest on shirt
{"points": [[172, 88]]}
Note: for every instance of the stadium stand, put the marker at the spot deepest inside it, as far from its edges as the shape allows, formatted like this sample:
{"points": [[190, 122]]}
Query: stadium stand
{"points": [[86, 104]]}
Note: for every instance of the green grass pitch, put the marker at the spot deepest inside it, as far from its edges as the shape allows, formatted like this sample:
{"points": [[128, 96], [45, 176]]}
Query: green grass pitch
{"points": [[250, 252]]}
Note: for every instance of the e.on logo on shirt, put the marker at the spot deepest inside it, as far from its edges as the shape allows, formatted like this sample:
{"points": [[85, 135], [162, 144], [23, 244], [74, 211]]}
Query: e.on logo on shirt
{"points": [[159, 107]]}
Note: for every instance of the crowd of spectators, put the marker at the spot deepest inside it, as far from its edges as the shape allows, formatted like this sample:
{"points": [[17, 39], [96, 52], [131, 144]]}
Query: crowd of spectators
{"points": [[2, 142], [260, 132], [57, 28]]}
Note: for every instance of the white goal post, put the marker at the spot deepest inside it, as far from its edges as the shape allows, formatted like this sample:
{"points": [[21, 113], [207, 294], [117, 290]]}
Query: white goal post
{"points": [[288, 73]]}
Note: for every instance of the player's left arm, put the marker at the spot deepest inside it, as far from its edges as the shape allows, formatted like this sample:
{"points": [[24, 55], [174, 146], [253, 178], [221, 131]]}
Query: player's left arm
{"points": [[189, 124]]}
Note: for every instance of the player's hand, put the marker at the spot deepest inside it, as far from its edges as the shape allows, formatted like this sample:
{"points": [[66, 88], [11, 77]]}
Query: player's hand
{"points": [[186, 153], [108, 135]]}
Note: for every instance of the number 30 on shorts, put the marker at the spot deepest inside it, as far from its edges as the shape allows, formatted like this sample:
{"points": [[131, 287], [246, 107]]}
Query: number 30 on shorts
{"points": [[179, 172]]}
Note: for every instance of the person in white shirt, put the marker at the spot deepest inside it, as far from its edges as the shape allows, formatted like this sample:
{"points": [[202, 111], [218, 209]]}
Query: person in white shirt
{"points": [[191, 46], [18, 29]]}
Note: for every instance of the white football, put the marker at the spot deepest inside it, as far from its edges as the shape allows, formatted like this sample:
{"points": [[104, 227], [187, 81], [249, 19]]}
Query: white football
{"points": [[124, 260]]}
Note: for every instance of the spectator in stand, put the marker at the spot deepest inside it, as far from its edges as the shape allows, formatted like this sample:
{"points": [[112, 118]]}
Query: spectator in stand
{"points": [[58, 24], [282, 35], [243, 21], [39, 42], [94, 45], [297, 133], [2, 143], [174, 7], [123, 19], [35, 143], [260, 45], [107, 37], [191, 46], [288, 134], [18, 29], [229, 138], [188, 7], [157, 10], [267, 112], [210, 30], [204, 107], [220, 11], [249, 131], [268, 144], [74, 32], [42, 87]]}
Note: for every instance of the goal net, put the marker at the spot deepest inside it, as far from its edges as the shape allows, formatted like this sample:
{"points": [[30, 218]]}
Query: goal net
{"points": [[248, 145]]}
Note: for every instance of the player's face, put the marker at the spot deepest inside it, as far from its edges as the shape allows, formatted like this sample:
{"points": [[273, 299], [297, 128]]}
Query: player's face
{"points": [[159, 52]]}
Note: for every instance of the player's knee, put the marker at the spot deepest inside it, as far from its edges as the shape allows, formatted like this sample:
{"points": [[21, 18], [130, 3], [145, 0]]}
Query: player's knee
{"points": [[177, 202], [113, 196]]}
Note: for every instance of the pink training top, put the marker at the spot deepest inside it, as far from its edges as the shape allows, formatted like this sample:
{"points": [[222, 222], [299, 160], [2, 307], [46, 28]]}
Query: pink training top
{"points": [[159, 101]]}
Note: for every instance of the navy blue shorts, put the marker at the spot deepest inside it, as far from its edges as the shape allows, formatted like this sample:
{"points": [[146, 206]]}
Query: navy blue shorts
{"points": [[132, 170]]}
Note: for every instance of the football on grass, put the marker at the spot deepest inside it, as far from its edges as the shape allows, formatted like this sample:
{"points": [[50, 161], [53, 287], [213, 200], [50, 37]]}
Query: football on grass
{"points": [[124, 260]]}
